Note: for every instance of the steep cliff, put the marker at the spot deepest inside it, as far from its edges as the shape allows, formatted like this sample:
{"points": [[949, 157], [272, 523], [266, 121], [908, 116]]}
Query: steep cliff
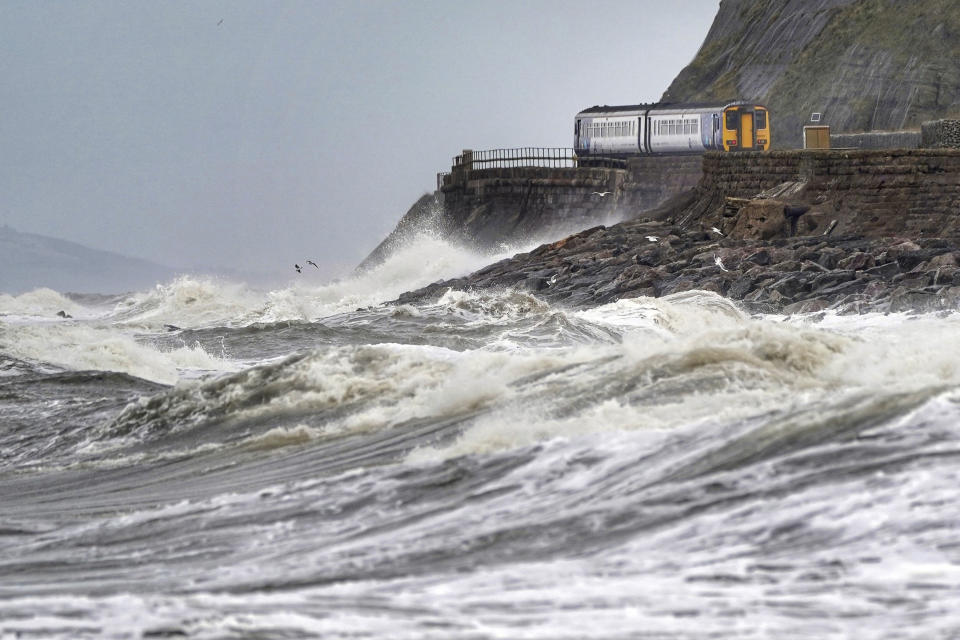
{"points": [[864, 64]]}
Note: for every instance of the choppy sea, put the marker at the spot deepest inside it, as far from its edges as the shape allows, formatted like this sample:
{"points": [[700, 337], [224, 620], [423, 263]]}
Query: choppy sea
{"points": [[207, 460]]}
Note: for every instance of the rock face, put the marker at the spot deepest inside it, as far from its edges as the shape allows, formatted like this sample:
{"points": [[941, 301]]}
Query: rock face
{"points": [[864, 64]]}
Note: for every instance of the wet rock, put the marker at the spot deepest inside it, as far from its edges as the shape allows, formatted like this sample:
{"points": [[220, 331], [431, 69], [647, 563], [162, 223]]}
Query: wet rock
{"points": [[858, 261], [534, 284], [740, 287], [885, 271], [903, 299], [830, 257], [761, 257], [908, 260]]}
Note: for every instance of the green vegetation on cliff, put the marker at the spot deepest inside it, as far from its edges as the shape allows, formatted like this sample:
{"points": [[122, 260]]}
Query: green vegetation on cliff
{"points": [[864, 64]]}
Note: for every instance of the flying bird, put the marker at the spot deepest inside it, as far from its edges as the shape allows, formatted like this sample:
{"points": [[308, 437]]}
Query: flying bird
{"points": [[717, 261], [716, 231], [652, 238], [220, 23], [602, 193], [313, 263], [297, 267]]}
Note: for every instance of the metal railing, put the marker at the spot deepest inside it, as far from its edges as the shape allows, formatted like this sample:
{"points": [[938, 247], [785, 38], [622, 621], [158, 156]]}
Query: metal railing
{"points": [[522, 157], [549, 157]]}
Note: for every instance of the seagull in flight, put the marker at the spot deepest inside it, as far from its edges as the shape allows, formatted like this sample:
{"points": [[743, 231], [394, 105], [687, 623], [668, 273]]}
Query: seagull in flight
{"points": [[602, 193], [652, 238], [220, 23], [297, 267], [716, 231], [313, 263], [717, 261]]}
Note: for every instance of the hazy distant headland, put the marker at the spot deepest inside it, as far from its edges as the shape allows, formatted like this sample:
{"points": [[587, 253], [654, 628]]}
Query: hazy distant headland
{"points": [[29, 261]]}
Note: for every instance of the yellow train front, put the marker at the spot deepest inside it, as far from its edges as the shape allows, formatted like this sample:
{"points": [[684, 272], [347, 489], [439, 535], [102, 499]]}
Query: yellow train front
{"points": [[746, 127]]}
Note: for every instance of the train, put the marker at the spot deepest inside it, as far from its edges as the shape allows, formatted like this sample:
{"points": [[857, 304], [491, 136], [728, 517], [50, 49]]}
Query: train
{"points": [[630, 130]]}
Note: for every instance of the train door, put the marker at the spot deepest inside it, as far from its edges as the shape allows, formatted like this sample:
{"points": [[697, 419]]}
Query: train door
{"points": [[746, 130]]}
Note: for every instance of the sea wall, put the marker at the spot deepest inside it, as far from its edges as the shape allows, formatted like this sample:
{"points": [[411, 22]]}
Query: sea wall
{"points": [[490, 207], [891, 192], [909, 192]]}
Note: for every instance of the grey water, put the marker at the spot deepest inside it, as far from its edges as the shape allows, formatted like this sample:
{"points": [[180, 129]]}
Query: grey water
{"points": [[205, 460]]}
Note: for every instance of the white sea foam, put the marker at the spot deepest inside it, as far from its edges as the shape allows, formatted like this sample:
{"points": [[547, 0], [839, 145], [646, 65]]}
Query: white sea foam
{"points": [[192, 302], [422, 260], [80, 347], [697, 359], [39, 303], [188, 302]]}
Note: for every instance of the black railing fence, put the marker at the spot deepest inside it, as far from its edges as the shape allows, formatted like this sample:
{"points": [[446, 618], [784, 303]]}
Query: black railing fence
{"points": [[549, 157], [521, 157]]}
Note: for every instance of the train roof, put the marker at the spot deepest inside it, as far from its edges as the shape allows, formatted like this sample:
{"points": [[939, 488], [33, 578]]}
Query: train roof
{"points": [[670, 107]]}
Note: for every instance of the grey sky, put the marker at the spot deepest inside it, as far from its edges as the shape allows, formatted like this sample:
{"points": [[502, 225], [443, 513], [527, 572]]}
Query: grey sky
{"points": [[294, 129]]}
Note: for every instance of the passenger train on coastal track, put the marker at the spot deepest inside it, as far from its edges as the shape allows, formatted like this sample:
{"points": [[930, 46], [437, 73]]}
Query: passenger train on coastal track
{"points": [[666, 129]]}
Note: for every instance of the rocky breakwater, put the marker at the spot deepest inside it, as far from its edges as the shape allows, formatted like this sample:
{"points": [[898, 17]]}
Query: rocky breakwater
{"points": [[786, 274], [780, 232]]}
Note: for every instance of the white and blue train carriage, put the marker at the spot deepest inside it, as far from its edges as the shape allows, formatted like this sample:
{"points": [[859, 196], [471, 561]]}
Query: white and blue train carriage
{"points": [[653, 129]]}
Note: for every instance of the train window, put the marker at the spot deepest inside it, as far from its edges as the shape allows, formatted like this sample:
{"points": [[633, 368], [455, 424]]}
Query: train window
{"points": [[732, 120], [761, 119]]}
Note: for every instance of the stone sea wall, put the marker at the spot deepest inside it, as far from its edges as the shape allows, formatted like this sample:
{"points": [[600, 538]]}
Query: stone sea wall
{"points": [[902, 192], [910, 192], [490, 207]]}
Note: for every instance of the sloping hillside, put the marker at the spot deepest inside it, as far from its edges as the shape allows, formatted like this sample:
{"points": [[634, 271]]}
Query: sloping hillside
{"points": [[29, 261], [864, 64]]}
